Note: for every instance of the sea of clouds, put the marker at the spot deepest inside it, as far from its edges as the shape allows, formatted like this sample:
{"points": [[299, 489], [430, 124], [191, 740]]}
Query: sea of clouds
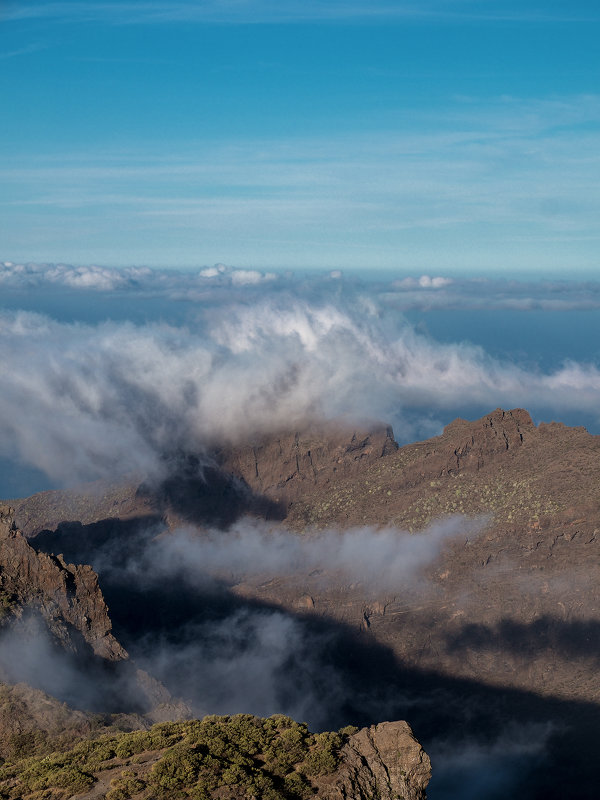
{"points": [[245, 354]]}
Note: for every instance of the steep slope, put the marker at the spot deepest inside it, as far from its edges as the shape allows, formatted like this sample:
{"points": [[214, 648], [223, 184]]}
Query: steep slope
{"points": [[67, 596], [56, 634]]}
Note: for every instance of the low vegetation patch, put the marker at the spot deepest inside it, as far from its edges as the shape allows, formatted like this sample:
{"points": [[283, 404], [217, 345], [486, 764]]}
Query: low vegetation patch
{"points": [[239, 756]]}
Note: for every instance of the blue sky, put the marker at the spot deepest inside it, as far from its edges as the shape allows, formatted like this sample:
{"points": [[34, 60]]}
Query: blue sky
{"points": [[455, 137]]}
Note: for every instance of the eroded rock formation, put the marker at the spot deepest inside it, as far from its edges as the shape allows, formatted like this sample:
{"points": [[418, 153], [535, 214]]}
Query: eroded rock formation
{"points": [[66, 595], [383, 761]]}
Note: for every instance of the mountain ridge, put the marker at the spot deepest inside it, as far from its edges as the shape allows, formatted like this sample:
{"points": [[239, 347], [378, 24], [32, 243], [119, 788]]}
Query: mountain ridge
{"points": [[505, 618]]}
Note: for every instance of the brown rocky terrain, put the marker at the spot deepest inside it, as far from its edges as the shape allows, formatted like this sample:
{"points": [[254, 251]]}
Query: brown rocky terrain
{"points": [[261, 479], [499, 632], [95, 501], [529, 575]]}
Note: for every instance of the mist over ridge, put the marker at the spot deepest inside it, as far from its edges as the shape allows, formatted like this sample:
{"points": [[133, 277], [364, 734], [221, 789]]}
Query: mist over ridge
{"points": [[224, 355]]}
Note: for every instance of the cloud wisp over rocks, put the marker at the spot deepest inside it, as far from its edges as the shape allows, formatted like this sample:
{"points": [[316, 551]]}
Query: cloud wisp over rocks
{"points": [[383, 559], [224, 653]]}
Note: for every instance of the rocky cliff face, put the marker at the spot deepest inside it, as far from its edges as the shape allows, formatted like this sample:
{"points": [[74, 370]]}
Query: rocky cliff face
{"points": [[66, 595], [383, 761], [289, 466]]}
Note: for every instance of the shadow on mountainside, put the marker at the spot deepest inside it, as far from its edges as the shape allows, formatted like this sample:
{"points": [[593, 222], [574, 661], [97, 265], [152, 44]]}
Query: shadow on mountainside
{"points": [[569, 639], [109, 541], [223, 653], [206, 495], [211, 499]]}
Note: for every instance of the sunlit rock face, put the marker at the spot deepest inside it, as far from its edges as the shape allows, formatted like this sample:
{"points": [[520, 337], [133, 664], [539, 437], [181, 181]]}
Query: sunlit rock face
{"points": [[383, 761], [67, 596]]}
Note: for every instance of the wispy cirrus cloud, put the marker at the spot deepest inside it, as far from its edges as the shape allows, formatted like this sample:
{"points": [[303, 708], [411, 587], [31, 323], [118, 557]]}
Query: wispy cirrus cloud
{"points": [[21, 51], [514, 178], [270, 11]]}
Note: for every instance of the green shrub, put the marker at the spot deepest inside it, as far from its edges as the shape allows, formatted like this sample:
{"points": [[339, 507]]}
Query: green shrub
{"points": [[125, 786], [176, 769], [59, 777], [96, 751], [324, 756], [28, 743], [8, 602], [230, 756]]}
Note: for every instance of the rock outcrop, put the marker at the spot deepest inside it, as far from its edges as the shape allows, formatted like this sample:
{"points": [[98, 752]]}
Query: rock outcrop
{"points": [[66, 595], [383, 761], [289, 466]]}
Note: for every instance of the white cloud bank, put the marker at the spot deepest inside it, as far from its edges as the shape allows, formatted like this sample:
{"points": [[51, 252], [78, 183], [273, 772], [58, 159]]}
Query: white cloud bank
{"points": [[82, 401], [214, 284], [106, 279]]}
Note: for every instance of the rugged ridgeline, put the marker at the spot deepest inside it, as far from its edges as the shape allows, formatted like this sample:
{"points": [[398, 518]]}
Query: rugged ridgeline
{"points": [[263, 479]]}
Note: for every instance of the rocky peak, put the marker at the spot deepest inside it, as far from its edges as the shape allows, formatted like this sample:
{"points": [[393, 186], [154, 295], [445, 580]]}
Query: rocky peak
{"points": [[383, 761], [7, 520], [475, 443]]}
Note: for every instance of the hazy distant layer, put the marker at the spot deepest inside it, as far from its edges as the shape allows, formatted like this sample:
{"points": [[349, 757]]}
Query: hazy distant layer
{"points": [[111, 370]]}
